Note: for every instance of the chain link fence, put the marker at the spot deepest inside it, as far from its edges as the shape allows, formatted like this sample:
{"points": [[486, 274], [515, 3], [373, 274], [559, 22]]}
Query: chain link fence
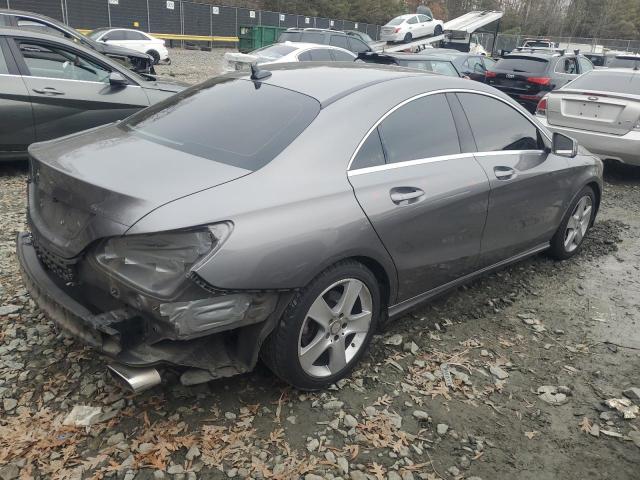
{"points": [[175, 16]]}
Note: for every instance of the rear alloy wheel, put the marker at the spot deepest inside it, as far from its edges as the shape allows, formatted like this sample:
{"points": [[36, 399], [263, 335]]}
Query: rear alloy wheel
{"points": [[569, 238], [326, 328], [155, 55], [437, 31], [408, 38]]}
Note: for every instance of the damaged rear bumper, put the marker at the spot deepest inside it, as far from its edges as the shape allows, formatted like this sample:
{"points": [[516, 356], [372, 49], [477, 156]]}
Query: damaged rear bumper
{"points": [[226, 342]]}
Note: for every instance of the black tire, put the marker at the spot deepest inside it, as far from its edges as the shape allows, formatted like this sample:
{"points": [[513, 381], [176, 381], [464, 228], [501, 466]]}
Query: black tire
{"points": [[155, 55], [559, 249], [437, 31], [280, 350], [408, 38]]}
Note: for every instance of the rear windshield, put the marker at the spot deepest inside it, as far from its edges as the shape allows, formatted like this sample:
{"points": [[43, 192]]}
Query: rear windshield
{"points": [[602, 81], [273, 52], [232, 121], [624, 63], [522, 64], [438, 66], [536, 43], [396, 21]]}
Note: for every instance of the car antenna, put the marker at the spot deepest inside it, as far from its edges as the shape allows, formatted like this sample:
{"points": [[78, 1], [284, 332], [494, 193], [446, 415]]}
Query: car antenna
{"points": [[257, 74]]}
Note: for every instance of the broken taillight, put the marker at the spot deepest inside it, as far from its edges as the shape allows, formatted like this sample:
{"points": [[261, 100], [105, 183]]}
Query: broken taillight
{"points": [[542, 107]]}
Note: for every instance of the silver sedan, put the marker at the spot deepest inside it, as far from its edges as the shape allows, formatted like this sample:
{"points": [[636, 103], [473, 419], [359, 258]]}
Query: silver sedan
{"points": [[600, 109], [290, 212]]}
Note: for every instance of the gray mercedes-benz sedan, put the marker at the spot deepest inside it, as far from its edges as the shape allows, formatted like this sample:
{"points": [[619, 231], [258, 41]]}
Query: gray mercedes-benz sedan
{"points": [[288, 213], [50, 87]]}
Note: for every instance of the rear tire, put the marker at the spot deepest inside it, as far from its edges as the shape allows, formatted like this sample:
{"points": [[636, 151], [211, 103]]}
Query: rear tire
{"points": [[569, 238], [326, 328], [408, 38], [437, 31], [155, 55]]}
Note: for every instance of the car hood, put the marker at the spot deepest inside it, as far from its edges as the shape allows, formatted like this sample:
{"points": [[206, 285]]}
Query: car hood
{"points": [[108, 49], [98, 183]]}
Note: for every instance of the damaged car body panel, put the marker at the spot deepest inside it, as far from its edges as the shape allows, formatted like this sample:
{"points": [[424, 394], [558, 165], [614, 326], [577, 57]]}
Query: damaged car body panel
{"points": [[194, 230]]}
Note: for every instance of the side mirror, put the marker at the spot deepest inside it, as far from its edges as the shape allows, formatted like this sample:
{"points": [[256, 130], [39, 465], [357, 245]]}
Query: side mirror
{"points": [[116, 79], [564, 146]]}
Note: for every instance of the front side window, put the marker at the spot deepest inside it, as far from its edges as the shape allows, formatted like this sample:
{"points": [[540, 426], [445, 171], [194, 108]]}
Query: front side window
{"points": [[339, 41], [498, 127], [131, 35], [54, 62], [248, 127], [423, 128]]}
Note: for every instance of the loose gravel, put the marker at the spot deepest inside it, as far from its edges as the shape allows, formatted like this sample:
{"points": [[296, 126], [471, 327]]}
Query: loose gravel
{"points": [[453, 390]]}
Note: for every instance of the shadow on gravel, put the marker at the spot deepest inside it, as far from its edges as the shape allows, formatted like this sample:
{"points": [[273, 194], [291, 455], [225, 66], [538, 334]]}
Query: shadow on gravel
{"points": [[620, 173]]}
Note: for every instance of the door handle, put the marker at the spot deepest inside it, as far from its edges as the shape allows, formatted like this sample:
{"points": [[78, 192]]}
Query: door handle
{"points": [[48, 91], [405, 195], [504, 173]]}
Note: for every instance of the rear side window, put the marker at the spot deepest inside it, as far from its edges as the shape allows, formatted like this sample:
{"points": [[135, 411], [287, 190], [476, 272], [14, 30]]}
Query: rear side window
{"points": [[585, 65], [115, 35], [522, 64], [604, 81], [339, 56], [568, 66], [36, 26], [413, 20], [130, 35], [313, 37], [423, 128], [289, 37], [248, 127], [339, 41], [319, 55], [497, 126], [370, 153]]}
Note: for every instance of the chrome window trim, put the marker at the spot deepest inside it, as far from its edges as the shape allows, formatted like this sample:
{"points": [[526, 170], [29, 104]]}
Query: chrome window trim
{"points": [[61, 79], [435, 92]]}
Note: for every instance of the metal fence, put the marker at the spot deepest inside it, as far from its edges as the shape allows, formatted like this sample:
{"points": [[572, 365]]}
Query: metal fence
{"points": [[585, 45], [175, 16]]}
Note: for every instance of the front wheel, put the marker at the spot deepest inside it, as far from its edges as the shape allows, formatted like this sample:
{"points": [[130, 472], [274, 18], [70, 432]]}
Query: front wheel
{"points": [[155, 55], [326, 328], [569, 238]]}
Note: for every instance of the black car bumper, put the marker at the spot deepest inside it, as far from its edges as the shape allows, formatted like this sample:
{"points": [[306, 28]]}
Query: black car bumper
{"points": [[220, 354]]}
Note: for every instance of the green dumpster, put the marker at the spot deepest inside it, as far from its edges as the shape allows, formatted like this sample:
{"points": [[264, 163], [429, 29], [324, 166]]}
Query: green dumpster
{"points": [[252, 37]]}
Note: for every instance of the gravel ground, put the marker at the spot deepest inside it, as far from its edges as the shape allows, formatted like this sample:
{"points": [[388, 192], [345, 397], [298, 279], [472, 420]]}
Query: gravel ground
{"points": [[571, 327], [193, 66]]}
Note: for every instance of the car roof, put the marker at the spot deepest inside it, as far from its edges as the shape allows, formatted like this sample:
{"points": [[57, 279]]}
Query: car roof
{"points": [[542, 55], [21, 32], [407, 15], [330, 81], [303, 45]]}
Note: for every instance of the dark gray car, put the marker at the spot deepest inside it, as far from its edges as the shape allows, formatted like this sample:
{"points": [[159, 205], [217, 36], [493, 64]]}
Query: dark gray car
{"points": [[293, 218], [50, 87], [137, 61]]}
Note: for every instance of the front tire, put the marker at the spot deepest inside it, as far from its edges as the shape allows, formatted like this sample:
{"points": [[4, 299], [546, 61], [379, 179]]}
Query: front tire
{"points": [[569, 237], [155, 55], [326, 328]]}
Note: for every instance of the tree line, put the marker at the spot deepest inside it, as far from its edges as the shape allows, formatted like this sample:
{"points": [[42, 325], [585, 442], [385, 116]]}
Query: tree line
{"points": [[576, 18]]}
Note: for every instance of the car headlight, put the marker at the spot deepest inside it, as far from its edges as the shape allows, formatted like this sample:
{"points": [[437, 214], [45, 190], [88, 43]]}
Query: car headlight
{"points": [[158, 263]]}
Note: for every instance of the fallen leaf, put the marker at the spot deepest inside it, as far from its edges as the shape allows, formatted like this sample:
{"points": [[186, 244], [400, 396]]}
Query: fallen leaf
{"points": [[531, 435], [585, 425]]}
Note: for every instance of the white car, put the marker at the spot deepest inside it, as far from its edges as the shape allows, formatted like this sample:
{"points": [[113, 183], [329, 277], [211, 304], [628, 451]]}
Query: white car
{"points": [[406, 28], [287, 52], [134, 40]]}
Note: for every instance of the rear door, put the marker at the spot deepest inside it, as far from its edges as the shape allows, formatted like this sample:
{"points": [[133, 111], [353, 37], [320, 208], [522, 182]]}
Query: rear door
{"points": [[425, 198], [16, 125], [528, 184], [70, 89]]}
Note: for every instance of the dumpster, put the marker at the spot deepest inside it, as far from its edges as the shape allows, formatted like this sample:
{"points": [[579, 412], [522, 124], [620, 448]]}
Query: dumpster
{"points": [[252, 37]]}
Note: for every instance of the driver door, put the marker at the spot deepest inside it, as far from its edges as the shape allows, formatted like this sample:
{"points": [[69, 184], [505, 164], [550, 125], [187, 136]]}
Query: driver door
{"points": [[70, 90]]}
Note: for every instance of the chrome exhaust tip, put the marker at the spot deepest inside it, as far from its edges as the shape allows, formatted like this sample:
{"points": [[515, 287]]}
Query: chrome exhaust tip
{"points": [[135, 379]]}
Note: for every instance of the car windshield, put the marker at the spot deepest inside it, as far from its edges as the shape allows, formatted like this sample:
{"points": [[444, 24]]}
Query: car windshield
{"points": [[438, 66], [94, 34], [624, 62], [604, 81], [522, 64], [228, 120], [396, 21], [274, 52]]}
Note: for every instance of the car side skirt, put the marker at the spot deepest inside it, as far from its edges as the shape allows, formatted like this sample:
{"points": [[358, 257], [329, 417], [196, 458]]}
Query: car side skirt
{"points": [[402, 307]]}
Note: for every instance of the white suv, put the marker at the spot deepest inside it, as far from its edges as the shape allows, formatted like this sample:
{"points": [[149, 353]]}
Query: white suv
{"points": [[135, 40], [406, 28]]}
